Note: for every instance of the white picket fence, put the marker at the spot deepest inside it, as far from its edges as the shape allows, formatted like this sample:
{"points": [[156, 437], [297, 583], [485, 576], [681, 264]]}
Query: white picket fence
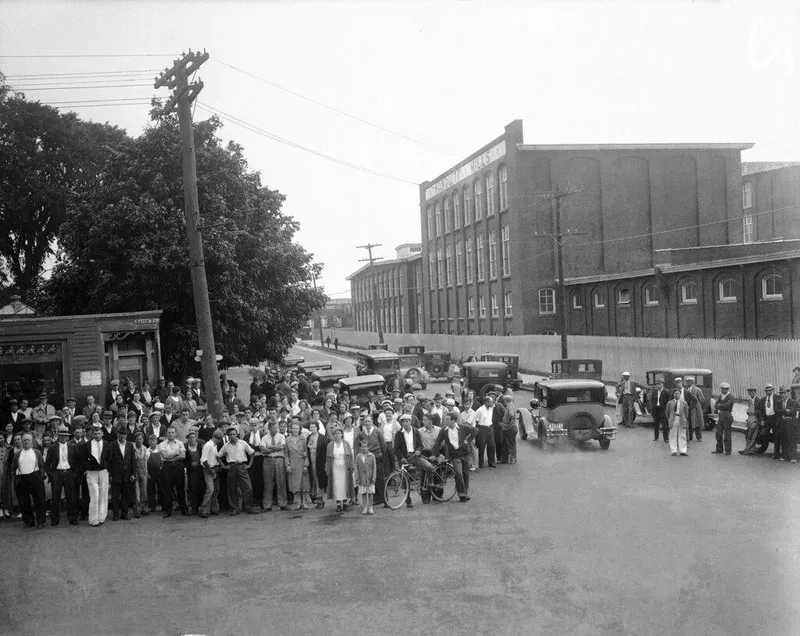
{"points": [[741, 363]]}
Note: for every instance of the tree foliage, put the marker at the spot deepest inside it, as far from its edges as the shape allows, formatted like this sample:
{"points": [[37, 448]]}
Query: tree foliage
{"points": [[123, 248], [48, 162]]}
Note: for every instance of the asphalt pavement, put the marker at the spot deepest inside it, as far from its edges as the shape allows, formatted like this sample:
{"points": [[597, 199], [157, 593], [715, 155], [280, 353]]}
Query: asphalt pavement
{"points": [[575, 541]]}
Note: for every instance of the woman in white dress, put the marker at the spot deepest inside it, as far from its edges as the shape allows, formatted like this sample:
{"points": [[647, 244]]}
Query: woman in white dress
{"points": [[339, 469], [349, 436]]}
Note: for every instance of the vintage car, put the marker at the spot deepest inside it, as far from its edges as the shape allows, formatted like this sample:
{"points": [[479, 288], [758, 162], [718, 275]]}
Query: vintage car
{"points": [[292, 361], [703, 380], [512, 362], [361, 386], [375, 346], [328, 378], [408, 349], [483, 377], [590, 369], [411, 369], [436, 363], [384, 363], [309, 367], [573, 409]]}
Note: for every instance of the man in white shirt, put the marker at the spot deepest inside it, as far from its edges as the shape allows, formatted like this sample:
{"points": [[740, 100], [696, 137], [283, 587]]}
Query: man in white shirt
{"points": [[389, 426], [273, 448], [438, 408], [27, 471], [210, 464], [485, 437], [94, 462], [62, 465], [173, 455], [237, 457]]}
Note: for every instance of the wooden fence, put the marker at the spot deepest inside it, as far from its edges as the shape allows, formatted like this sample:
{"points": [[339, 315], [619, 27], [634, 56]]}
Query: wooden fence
{"points": [[741, 363]]}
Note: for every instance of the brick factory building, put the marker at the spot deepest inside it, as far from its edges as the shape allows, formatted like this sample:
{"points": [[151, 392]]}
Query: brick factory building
{"points": [[397, 290], [489, 263]]}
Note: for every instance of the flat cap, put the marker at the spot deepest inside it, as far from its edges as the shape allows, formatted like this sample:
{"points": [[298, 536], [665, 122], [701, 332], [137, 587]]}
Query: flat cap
{"points": [[724, 385], [768, 386], [626, 373]]}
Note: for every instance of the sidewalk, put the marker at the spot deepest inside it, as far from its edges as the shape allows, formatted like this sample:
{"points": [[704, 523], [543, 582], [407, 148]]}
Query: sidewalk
{"points": [[528, 380]]}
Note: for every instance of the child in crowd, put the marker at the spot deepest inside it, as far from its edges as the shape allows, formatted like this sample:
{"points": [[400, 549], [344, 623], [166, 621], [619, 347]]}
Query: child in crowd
{"points": [[365, 477]]}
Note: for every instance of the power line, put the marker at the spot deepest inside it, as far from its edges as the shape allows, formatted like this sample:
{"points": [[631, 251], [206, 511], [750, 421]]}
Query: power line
{"points": [[80, 87], [269, 135], [88, 55], [44, 76], [334, 109], [79, 82]]}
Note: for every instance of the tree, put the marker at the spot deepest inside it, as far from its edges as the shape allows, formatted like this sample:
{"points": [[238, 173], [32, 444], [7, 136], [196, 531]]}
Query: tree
{"points": [[124, 249], [48, 161]]}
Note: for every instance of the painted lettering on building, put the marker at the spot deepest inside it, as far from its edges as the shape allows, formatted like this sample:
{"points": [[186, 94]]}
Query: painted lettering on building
{"points": [[467, 170]]}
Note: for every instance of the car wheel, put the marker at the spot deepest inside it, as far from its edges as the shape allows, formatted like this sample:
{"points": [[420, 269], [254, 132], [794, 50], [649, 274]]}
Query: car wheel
{"points": [[605, 443]]}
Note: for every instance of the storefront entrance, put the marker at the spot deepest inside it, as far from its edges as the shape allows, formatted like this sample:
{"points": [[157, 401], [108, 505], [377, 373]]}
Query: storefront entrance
{"points": [[26, 370]]}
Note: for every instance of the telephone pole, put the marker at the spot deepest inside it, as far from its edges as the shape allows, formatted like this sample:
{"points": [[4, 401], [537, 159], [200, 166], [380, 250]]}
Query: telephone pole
{"points": [[557, 196], [177, 79], [375, 313], [319, 313]]}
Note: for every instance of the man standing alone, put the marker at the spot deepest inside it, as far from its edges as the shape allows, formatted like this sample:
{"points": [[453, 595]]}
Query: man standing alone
{"points": [[724, 407]]}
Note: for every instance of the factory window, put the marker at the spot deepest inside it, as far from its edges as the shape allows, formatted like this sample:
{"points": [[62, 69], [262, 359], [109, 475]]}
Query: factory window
{"points": [[772, 287], [747, 196], [547, 301], [503, 173], [689, 293], [477, 190], [727, 291], [507, 303], [490, 202], [482, 307], [438, 213], [651, 295]]}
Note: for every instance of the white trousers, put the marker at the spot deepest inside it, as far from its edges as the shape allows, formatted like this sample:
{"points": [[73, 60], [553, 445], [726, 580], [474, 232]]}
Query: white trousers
{"points": [[97, 480], [677, 439]]}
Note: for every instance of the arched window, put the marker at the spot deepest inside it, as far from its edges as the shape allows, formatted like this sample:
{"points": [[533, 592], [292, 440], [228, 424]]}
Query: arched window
{"points": [[651, 296], [727, 291], [547, 301], [577, 303], [438, 213], [624, 296], [772, 287], [599, 299], [689, 293]]}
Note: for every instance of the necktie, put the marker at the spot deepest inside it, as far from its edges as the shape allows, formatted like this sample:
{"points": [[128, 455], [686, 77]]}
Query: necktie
{"points": [[769, 401]]}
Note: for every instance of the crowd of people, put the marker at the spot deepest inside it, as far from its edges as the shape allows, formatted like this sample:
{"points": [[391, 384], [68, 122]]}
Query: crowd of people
{"points": [[293, 445]]}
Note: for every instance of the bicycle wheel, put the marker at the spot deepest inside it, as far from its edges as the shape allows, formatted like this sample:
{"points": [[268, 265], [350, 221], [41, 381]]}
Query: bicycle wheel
{"points": [[396, 489], [443, 487]]}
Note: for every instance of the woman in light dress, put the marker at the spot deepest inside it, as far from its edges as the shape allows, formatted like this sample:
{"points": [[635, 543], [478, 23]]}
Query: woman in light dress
{"points": [[297, 467], [339, 470]]}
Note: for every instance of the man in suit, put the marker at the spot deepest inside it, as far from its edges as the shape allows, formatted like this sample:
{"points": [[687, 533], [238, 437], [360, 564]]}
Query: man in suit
{"points": [[112, 393], [627, 396], [696, 406], [197, 393], [91, 407], [753, 422], [119, 462], [170, 414], [69, 411], [15, 416], [724, 408], [156, 427], [659, 397], [81, 487], [769, 412], [316, 396], [63, 466], [27, 470], [788, 422], [107, 429], [408, 450], [453, 442]]}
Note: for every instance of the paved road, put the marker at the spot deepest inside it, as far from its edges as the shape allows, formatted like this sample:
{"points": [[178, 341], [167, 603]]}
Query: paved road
{"points": [[577, 541]]}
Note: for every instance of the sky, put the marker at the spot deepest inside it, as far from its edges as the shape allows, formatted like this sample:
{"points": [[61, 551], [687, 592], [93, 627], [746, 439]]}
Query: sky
{"points": [[408, 89]]}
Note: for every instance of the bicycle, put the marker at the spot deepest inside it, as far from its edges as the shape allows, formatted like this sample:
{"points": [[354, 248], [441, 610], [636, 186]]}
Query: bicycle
{"points": [[399, 483]]}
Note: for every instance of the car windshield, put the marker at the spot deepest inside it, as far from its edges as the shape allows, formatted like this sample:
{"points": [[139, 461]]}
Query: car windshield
{"points": [[489, 373], [409, 361], [438, 357], [385, 365]]}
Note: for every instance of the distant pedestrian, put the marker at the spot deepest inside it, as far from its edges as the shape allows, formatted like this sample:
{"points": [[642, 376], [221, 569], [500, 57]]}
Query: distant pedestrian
{"points": [[328, 342], [336, 343], [678, 419], [724, 407], [753, 422]]}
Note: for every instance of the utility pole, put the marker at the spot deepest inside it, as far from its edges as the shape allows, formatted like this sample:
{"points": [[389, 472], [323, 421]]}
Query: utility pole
{"points": [[375, 313], [319, 313], [177, 78], [557, 196]]}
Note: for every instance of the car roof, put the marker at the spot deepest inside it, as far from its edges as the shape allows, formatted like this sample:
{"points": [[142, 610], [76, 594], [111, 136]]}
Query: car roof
{"points": [[487, 364], [436, 351], [363, 380], [379, 354], [324, 373], [680, 371], [317, 363], [575, 360], [572, 383], [491, 353]]}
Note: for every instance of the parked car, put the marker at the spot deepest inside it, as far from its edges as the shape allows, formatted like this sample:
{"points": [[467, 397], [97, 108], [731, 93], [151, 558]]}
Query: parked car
{"points": [[512, 362], [436, 363], [383, 363], [360, 386], [573, 409], [483, 377], [407, 349], [411, 369], [375, 346], [591, 369], [309, 367], [328, 379], [290, 361], [703, 380]]}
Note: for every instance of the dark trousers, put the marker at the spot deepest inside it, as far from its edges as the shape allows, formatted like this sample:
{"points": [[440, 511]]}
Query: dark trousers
{"points": [[257, 477], [120, 498], [82, 495], [388, 458], [695, 427], [461, 466], [788, 438], [660, 424], [154, 490], [239, 483], [31, 488], [65, 479], [497, 433], [222, 498], [508, 451], [773, 423], [485, 441], [380, 479], [172, 478], [196, 485], [723, 432]]}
